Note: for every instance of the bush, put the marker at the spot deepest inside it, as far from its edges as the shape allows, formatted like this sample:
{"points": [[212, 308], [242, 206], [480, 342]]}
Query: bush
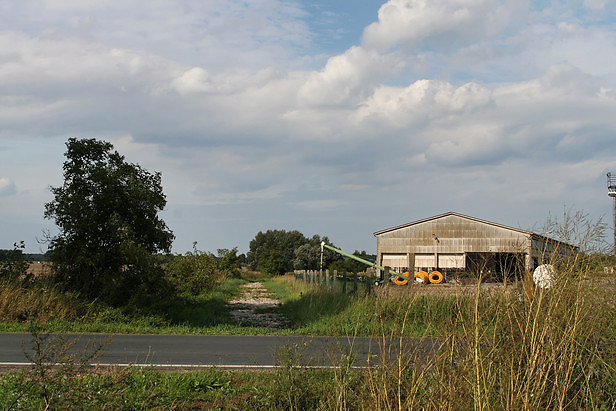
{"points": [[229, 262], [194, 272], [14, 266], [272, 263]]}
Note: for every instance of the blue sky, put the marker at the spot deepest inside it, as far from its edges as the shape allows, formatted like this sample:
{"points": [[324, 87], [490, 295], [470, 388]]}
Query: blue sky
{"points": [[333, 118]]}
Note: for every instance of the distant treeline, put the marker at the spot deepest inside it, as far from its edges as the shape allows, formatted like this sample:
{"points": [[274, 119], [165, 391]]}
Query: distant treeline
{"points": [[10, 254]]}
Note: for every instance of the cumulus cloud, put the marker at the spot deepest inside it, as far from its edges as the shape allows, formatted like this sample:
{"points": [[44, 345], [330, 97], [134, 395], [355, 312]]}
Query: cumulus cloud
{"points": [[440, 23], [422, 102], [225, 100], [347, 79]]}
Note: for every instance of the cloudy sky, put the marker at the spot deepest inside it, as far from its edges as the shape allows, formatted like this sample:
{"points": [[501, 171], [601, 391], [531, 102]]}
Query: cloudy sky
{"points": [[337, 118]]}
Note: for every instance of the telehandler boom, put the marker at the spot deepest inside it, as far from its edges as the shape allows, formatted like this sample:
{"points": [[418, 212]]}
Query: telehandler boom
{"points": [[397, 277]]}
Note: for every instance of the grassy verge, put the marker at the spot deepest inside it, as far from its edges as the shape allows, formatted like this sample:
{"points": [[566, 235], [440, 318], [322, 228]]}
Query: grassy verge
{"points": [[149, 389], [322, 311], [64, 312]]}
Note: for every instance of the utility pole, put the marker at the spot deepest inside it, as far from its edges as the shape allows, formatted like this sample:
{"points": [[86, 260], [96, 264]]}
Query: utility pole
{"points": [[611, 192]]}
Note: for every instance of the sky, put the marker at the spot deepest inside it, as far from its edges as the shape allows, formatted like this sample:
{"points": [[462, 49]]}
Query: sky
{"points": [[334, 118]]}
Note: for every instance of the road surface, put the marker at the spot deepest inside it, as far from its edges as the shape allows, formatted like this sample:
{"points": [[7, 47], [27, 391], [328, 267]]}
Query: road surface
{"points": [[223, 351]]}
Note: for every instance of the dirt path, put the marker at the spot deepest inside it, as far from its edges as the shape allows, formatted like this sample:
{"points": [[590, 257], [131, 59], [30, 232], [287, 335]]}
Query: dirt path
{"points": [[256, 308]]}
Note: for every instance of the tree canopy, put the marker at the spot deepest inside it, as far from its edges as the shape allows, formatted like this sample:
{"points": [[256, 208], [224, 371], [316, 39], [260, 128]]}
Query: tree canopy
{"points": [[280, 251], [107, 212], [351, 265]]}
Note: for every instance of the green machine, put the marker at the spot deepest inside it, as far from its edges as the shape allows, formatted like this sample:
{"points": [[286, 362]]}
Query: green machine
{"points": [[400, 279]]}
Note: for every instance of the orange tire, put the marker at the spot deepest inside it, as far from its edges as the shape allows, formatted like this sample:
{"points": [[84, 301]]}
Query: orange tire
{"points": [[421, 277], [401, 281], [436, 277]]}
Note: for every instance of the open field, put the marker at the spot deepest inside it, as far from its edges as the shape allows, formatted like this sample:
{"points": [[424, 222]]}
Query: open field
{"points": [[38, 268]]}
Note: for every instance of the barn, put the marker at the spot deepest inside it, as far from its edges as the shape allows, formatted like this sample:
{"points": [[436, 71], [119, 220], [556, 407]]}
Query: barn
{"points": [[453, 242]]}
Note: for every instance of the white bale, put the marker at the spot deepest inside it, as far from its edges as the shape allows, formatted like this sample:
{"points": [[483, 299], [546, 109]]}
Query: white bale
{"points": [[544, 276]]}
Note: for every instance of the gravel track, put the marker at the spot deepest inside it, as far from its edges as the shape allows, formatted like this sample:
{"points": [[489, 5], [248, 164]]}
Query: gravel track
{"points": [[256, 308]]}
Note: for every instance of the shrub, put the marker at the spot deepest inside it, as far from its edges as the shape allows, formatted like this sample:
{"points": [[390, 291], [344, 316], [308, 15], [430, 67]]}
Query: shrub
{"points": [[194, 272], [15, 266]]}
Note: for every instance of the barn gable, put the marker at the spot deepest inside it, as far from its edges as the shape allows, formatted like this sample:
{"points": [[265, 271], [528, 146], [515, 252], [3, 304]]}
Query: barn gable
{"points": [[452, 232]]}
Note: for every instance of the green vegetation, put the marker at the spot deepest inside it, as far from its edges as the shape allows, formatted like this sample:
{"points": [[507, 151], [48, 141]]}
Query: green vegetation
{"points": [[137, 388], [276, 252], [61, 311], [197, 272], [314, 311], [107, 214], [13, 264], [499, 349], [350, 265], [517, 347]]}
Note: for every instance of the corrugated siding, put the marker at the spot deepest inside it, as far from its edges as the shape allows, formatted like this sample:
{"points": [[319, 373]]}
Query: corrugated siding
{"points": [[451, 261], [424, 260], [395, 260], [452, 235]]}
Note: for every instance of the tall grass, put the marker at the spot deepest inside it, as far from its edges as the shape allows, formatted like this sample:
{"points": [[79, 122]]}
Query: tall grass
{"points": [[506, 349], [323, 311], [517, 347], [64, 311], [45, 303]]}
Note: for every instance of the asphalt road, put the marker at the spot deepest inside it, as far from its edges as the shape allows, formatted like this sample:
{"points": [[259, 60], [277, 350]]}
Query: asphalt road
{"points": [[223, 351]]}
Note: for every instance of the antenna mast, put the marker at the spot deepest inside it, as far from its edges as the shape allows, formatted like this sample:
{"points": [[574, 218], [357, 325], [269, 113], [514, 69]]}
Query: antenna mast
{"points": [[611, 192]]}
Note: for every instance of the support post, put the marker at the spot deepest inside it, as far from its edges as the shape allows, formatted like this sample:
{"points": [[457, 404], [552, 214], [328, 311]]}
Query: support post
{"points": [[611, 192]]}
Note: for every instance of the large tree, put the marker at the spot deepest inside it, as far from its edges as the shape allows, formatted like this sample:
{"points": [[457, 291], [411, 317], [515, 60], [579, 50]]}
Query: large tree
{"points": [[286, 250], [282, 242], [107, 213], [308, 256]]}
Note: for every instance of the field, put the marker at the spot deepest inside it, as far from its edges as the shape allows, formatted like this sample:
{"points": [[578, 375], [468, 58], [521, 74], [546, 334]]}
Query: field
{"points": [[511, 347]]}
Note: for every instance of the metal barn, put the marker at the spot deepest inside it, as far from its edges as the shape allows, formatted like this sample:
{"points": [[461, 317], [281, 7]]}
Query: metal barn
{"points": [[452, 242]]}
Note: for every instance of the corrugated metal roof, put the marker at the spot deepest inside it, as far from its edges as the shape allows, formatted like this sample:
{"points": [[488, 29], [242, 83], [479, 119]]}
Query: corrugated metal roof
{"points": [[478, 220], [453, 213]]}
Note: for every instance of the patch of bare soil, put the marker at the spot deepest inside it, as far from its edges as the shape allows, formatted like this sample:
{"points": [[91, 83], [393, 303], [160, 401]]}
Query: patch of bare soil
{"points": [[256, 308]]}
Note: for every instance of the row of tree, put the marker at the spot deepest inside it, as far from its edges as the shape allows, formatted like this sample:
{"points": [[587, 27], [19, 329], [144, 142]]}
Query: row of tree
{"points": [[17, 251], [113, 246], [276, 252]]}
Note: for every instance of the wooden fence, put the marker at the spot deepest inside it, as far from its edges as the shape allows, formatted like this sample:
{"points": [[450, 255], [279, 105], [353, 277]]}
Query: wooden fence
{"points": [[349, 282]]}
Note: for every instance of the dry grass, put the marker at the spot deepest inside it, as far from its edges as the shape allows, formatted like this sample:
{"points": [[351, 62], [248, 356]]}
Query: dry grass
{"points": [[19, 303]]}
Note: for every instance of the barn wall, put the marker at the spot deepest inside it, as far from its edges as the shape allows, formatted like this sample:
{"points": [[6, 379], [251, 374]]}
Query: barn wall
{"points": [[451, 235], [448, 240]]}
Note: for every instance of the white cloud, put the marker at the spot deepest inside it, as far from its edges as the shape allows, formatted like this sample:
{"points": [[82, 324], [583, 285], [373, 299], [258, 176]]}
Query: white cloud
{"points": [[7, 187], [224, 100], [423, 102], [347, 79], [441, 23]]}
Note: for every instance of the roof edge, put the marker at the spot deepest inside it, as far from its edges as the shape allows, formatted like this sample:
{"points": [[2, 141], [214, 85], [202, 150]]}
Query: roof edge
{"points": [[452, 213]]}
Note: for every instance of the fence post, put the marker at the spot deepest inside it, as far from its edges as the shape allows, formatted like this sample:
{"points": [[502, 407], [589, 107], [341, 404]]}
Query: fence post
{"points": [[368, 281], [385, 276], [344, 281]]}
